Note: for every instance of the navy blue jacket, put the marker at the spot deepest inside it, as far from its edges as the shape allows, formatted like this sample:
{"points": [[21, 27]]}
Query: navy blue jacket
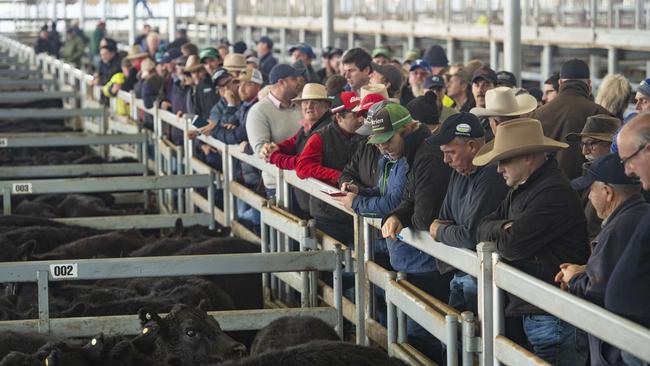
{"points": [[381, 199], [266, 64]]}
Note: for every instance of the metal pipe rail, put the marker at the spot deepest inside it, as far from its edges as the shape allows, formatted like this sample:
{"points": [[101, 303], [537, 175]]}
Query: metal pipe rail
{"points": [[20, 74], [49, 139], [29, 96], [50, 113], [71, 170], [22, 83]]}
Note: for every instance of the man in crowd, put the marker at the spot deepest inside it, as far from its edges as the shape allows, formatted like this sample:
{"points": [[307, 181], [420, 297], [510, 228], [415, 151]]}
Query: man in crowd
{"points": [[568, 113], [381, 55], [483, 79], [619, 204], [275, 118], [551, 88], [595, 141], [642, 97], [506, 78], [388, 75], [501, 104], [459, 88], [357, 68], [436, 58], [539, 226], [418, 72], [473, 193], [210, 57], [436, 83], [73, 49], [302, 56], [265, 54], [627, 290]]}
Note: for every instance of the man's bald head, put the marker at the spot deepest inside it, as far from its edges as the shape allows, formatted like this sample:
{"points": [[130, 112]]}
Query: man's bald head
{"points": [[634, 148], [636, 130]]}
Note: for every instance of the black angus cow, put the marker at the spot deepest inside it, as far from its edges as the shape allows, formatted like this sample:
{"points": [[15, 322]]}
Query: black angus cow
{"points": [[110, 245], [321, 353], [11, 341], [187, 336], [291, 331]]}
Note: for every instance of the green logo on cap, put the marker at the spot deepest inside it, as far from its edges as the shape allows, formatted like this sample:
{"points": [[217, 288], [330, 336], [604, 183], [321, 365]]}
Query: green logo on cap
{"points": [[464, 129]]}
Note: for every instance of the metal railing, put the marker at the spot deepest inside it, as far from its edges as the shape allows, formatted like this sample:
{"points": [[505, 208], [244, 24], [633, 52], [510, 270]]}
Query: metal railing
{"points": [[481, 335]]}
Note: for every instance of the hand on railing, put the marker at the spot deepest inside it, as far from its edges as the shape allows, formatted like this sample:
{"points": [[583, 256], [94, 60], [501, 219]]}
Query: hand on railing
{"points": [[267, 150], [229, 126], [346, 201], [350, 187], [433, 229], [566, 273], [208, 149], [392, 227], [207, 129], [242, 146], [165, 105]]}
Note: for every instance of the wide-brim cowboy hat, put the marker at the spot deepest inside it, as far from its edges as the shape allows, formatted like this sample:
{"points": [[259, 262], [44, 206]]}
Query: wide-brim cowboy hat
{"points": [[193, 64], [502, 101], [313, 91], [370, 89], [514, 138], [136, 52]]}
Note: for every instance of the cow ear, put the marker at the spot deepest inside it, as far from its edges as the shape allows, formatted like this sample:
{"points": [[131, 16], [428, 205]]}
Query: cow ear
{"points": [[147, 316], [203, 305], [25, 250]]}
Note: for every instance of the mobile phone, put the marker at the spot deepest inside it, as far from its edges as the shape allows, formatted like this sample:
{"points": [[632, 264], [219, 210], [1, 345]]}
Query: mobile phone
{"points": [[333, 192]]}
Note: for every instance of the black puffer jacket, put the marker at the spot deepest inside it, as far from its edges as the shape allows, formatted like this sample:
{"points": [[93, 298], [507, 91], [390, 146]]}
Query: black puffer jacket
{"points": [[362, 167], [548, 228]]}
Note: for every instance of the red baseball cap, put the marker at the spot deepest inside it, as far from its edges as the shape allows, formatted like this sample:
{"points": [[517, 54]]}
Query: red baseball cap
{"points": [[349, 100], [369, 100]]}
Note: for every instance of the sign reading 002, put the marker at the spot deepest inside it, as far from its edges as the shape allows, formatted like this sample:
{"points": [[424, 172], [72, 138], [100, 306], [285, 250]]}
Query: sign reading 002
{"points": [[66, 270], [21, 188]]}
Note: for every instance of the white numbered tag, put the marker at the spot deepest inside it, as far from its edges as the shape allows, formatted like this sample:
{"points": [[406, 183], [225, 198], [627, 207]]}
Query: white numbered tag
{"points": [[4, 142], [68, 270], [21, 188]]}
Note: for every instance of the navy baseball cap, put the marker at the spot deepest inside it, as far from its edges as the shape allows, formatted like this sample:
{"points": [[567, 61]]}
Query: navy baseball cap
{"points": [[420, 63], [282, 71], [220, 75], [463, 124], [434, 81], [485, 73], [267, 40], [606, 169], [506, 78], [171, 55], [304, 48]]}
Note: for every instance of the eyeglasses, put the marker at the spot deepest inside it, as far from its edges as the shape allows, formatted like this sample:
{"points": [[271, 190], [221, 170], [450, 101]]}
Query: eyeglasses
{"points": [[626, 160], [589, 145]]}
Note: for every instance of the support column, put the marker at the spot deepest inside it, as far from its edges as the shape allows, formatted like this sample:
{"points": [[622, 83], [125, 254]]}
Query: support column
{"points": [[451, 50], [302, 35], [232, 20], [378, 40], [328, 23], [54, 15], [283, 45], [612, 60], [103, 9], [467, 55], [131, 21], [638, 14], [172, 21], [647, 69], [512, 41], [494, 54], [546, 63], [410, 43], [248, 35], [350, 40], [594, 66]]}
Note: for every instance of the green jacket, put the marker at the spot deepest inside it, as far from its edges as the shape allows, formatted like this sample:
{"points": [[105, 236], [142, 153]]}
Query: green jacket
{"points": [[73, 50], [98, 34]]}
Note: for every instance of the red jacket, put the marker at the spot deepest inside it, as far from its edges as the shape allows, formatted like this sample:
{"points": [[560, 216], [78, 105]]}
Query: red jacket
{"points": [[310, 162], [285, 156]]}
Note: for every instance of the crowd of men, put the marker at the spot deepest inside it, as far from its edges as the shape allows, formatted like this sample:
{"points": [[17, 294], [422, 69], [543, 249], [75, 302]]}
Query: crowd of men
{"points": [[556, 179]]}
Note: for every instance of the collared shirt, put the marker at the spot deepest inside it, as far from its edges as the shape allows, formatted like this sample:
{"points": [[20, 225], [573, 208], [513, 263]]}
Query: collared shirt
{"points": [[276, 102]]}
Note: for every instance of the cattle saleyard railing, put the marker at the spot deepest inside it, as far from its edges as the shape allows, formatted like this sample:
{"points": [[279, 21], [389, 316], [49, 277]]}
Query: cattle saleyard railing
{"points": [[482, 336]]}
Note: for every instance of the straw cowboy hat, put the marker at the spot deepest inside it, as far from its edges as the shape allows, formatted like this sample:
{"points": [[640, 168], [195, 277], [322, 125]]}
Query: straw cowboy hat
{"points": [[193, 64], [234, 62], [313, 91], [371, 89], [135, 52], [502, 101], [516, 137]]}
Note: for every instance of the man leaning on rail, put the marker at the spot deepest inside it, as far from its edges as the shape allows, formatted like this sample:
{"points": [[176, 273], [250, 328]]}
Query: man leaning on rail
{"points": [[617, 201], [473, 193], [539, 226]]}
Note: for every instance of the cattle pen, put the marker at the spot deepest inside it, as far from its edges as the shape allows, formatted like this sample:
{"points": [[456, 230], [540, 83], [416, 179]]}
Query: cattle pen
{"points": [[186, 190]]}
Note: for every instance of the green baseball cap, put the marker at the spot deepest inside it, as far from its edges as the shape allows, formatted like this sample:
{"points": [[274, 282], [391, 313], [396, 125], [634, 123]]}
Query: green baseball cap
{"points": [[413, 54], [381, 51], [208, 52], [385, 120]]}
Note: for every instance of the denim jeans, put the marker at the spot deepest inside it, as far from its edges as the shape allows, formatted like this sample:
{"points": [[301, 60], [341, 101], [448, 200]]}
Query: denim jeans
{"points": [[553, 340], [463, 293], [631, 360], [247, 213]]}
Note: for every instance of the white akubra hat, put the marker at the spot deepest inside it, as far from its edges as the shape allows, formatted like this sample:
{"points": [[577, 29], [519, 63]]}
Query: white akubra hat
{"points": [[502, 101], [312, 91]]}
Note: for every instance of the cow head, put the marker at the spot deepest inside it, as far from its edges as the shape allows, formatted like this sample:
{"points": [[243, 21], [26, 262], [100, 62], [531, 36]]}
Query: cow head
{"points": [[187, 336]]}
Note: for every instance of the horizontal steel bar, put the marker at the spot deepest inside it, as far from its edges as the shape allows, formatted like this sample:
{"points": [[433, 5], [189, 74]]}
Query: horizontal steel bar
{"points": [[172, 119], [186, 265], [377, 275], [217, 144], [122, 127], [313, 188], [41, 139], [13, 97], [49, 113], [126, 222], [410, 355], [70, 170], [463, 259], [203, 204], [247, 195], [14, 83], [252, 160], [510, 353], [232, 320], [18, 74], [112, 184], [417, 310], [593, 319], [286, 225]]}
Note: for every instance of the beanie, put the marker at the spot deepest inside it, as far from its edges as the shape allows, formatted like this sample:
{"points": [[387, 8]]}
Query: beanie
{"points": [[425, 108]]}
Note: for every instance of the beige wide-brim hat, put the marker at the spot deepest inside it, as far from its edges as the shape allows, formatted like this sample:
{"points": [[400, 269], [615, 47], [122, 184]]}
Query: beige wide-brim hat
{"points": [[371, 89], [312, 91], [193, 64], [234, 62], [516, 137], [502, 101], [601, 127], [136, 52]]}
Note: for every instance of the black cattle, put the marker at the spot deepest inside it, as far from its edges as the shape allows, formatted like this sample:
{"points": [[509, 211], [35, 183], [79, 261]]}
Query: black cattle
{"points": [[111, 245], [187, 336], [321, 353], [291, 331], [33, 208], [23, 242], [11, 341]]}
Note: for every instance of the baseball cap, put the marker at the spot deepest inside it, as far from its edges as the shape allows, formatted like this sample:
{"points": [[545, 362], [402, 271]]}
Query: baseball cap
{"points": [[267, 40], [380, 51], [348, 100], [412, 54], [208, 52], [367, 103], [254, 76], [219, 76], [606, 169], [484, 73], [420, 63], [463, 124], [171, 55], [506, 78], [304, 48], [574, 69], [644, 87], [434, 81], [385, 120], [391, 73], [282, 71]]}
